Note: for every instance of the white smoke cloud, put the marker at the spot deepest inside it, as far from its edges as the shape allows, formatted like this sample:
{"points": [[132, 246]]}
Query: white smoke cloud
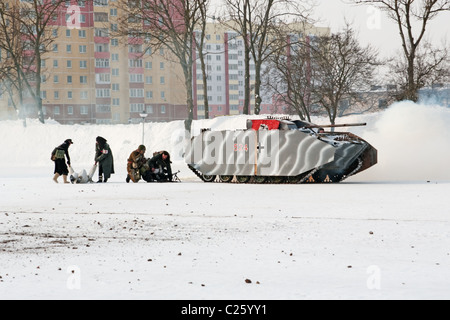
{"points": [[413, 143]]}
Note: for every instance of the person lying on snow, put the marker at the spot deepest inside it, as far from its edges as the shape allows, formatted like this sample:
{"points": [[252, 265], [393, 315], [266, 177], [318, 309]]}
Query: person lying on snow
{"points": [[82, 177], [159, 168]]}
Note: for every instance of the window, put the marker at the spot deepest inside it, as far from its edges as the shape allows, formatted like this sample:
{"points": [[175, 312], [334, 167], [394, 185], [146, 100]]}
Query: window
{"points": [[69, 95], [55, 63], [161, 65], [148, 65], [101, 47], [84, 110], [136, 93], [68, 34], [135, 63], [102, 63], [69, 79], [149, 109], [162, 80], [102, 93], [116, 102], [55, 47], [163, 109], [101, 16], [69, 63], [83, 80], [115, 87], [149, 94], [101, 32], [115, 72], [136, 107], [56, 110], [83, 48], [56, 95], [70, 110], [135, 48], [82, 33], [103, 108], [114, 57], [103, 78], [101, 3], [83, 95], [83, 64], [69, 48], [55, 79], [136, 78]]}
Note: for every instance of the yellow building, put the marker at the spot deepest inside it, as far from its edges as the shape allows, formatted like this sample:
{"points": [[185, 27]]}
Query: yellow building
{"points": [[91, 77]]}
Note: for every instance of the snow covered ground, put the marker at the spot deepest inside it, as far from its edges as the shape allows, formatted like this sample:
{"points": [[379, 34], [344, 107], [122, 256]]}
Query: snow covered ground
{"points": [[383, 234]]}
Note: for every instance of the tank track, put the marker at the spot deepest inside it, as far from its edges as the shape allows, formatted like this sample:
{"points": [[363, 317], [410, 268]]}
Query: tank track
{"points": [[304, 178], [252, 180], [360, 162]]}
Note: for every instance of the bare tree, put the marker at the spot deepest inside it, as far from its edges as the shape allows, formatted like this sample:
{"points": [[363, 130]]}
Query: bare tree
{"points": [[431, 66], [408, 15], [11, 61], [341, 69], [168, 24], [258, 23], [35, 19], [237, 19], [200, 46], [288, 77]]}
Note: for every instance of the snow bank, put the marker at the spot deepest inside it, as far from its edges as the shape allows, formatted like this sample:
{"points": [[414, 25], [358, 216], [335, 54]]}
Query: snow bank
{"points": [[411, 139]]}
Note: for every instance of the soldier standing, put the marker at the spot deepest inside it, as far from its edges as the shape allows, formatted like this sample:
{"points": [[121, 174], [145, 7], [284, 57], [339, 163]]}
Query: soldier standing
{"points": [[59, 156]]}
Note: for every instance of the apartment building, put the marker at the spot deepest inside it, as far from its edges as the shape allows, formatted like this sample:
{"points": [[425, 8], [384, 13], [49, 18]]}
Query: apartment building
{"points": [[224, 50], [91, 77]]}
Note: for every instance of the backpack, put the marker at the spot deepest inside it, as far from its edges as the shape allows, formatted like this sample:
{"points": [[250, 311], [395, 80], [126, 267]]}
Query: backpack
{"points": [[53, 155], [57, 154]]}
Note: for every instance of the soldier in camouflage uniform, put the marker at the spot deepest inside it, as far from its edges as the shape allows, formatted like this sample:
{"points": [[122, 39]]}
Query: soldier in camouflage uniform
{"points": [[137, 164]]}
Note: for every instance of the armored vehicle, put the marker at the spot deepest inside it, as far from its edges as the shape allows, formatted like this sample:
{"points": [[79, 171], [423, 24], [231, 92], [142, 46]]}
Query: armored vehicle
{"points": [[279, 151]]}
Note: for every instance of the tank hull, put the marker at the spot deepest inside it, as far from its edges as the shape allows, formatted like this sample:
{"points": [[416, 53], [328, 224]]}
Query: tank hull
{"points": [[277, 156]]}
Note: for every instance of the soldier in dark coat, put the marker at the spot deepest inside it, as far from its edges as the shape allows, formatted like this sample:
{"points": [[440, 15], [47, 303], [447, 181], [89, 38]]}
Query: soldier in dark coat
{"points": [[59, 156], [104, 158], [159, 167]]}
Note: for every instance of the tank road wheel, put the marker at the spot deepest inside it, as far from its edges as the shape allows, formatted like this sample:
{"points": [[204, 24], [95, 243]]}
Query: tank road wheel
{"points": [[260, 179], [293, 179], [226, 179], [208, 178], [277, 180], [243, 179]]}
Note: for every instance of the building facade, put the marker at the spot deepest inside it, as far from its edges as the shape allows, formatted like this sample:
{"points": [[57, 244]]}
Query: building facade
{"points": [[91, 77]]}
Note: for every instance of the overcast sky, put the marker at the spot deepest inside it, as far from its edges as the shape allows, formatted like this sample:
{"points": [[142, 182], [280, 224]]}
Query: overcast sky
{"points": [[374, 26]]}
